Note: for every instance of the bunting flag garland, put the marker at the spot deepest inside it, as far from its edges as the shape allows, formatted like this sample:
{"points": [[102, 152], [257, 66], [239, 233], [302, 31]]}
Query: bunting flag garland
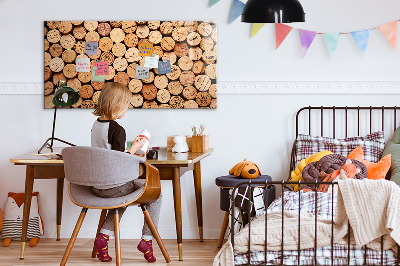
{"points": [[306, 39], [213, 2], [281, 31], [361, 37], [389, 30], [332, 41], [256, 27], [237, 8]]}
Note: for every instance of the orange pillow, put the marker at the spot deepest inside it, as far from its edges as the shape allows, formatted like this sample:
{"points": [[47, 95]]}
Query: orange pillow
{"points": [[375, 170]]}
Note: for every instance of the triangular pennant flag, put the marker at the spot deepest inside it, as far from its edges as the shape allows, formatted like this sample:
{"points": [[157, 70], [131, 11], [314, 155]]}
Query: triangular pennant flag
{"points": [[361, 37], [213, 2], [306, 39], [237, 8], [389, 30], [332, 41], [255, 28], [281, 31]]}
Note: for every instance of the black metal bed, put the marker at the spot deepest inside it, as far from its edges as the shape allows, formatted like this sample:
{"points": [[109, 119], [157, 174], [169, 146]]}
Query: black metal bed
{"points": [[340, 119]]}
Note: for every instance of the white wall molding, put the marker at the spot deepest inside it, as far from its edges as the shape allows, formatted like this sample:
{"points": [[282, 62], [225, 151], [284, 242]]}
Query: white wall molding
{"points": [[260, 87]]}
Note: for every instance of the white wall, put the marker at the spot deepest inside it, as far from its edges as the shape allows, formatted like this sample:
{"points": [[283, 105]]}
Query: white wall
{"points": [[259, 127]]}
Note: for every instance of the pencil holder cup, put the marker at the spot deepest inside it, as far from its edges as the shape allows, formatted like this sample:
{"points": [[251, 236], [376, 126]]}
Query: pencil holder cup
{"points": [[200, 143]]}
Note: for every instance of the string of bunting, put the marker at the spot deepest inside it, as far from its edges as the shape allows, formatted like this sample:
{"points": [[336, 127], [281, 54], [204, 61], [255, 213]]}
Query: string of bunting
{"points": [[361, 37]]}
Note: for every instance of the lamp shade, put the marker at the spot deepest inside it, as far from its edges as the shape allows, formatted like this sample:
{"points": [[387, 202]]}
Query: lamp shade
{"points": [[65, 96], [273, 11]]}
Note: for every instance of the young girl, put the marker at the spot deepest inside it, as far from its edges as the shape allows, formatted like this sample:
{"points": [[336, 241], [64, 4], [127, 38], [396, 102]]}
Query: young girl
{"points": [[107, 133]]}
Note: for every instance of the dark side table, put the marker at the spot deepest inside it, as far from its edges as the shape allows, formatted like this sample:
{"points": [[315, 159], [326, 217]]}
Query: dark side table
{"points": [[228, 182]]}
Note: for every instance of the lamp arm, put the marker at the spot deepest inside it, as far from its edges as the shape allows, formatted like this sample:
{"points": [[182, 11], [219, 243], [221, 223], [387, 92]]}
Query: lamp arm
{"points": [[54, 126]]}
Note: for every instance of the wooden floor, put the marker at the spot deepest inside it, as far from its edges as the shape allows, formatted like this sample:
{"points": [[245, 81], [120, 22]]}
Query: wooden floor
{"points": [[50, 252]]}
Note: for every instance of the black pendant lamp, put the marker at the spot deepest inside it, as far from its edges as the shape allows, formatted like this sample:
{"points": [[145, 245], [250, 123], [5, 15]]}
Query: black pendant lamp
{"points": [[273, 11]]}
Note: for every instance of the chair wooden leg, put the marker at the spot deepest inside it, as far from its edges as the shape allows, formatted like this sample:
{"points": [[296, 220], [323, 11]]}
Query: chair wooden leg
{"points": [[101, 222], [73, 237], [117, 239], [223, 229], [154, 230]]}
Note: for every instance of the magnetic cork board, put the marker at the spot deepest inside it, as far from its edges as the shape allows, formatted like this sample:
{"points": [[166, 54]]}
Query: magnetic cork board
{"points": [[165, 64]]}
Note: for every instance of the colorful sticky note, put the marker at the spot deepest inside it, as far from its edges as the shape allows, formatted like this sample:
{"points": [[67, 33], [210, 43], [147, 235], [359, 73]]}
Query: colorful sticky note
{"points": [[91, 48], [152, 61], [164, 67], [99, 78], [145, 48], [102, 67], [142, 72], [83, 65]]}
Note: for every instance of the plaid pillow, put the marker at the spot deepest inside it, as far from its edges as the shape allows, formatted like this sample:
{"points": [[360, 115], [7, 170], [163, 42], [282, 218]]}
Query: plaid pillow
{"points": [[372, 145]]}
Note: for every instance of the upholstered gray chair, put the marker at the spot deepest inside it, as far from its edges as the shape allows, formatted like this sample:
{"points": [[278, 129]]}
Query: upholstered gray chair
{"points": [[85, 167]]}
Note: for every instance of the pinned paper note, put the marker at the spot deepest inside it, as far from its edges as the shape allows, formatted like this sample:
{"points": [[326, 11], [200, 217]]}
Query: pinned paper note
{"points": [[99, 78], [102, 67], [83, 65], [152, 61], [145, 48], [91, 48], [142, 72], [164, 67]]}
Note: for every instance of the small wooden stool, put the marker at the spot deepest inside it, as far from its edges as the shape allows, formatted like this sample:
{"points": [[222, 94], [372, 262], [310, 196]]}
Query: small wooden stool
{"points": [[226, 183]]}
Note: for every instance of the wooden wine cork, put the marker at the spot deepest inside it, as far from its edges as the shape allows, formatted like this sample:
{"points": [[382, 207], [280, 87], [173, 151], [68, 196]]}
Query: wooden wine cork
{"points": [[94, 56], [203, 99], [84, 77], [211, 71], [195, 53], [92, 36], [164, 106], [175, 73], [116, 24], [163, 96], [142, 61], [120, 64], [104, 29], [142, 31], [204, 29], [166, 28], [198, 67], [132, 55], [56, 50], [88, 104], [131, 71], [68, 41], [177, 24], [91, 25], [77, 23], [157, 50], [215, 49], [206, 43], [46, 45], [129, 26], [65, 27], [214, 34], [191, 26], [187, 78], [150, 79], [136, 100], [190, 105], [135, 85], [179, 34], [56, 64], [119, 49], [117, 35], [171, 56], [78, 103], [86, 91], [149, 92], [57, 77], [176, 102], [74, 83], [52, 24], [107, 56], [47, 59], [105, 44], [154, 25], [96, 97], [48, 102], [189, 92], [175, 87], [70, 71], [48, 87], [213, 104], [181, 49], [155, 37], [202, 82], [131, 40], [80, 47], [150, 105], [47, 73], [122, 77], [161, 82], [167, 44], [53, 36], [97, 85], [46, 30], [185, 63], [213, 90], [111, 73], [69, 56], [209, 57], [141, 22], [193, 39]]}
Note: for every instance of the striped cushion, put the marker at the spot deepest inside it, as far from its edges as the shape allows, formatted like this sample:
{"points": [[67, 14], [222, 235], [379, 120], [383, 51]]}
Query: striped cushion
{"points": [[13, 228]]}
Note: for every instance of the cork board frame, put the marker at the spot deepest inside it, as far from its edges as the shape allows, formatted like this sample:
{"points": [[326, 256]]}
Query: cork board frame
{"points": [[190, 46]]}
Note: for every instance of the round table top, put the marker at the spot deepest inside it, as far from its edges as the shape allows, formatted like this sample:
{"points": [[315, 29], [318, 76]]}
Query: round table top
{"points": [[230, 181]]}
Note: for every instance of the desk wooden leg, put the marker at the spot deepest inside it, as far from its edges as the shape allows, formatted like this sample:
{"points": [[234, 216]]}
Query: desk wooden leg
{"points": [[27, 206], [199, 204], [178, 208], [223, 229], [60, 190]]}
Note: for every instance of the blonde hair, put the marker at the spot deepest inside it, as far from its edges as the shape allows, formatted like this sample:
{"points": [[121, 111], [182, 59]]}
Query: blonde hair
{"points": [[113, 97]]}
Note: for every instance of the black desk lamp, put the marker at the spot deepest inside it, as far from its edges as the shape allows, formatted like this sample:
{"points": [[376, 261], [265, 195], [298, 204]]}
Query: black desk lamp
{"points": [[64, 96], [272, 11]]}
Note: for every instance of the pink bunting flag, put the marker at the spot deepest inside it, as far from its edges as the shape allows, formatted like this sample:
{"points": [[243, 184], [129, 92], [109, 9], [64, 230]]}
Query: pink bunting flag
{"points": [[389, 30], [281, 31], [306, 39]]}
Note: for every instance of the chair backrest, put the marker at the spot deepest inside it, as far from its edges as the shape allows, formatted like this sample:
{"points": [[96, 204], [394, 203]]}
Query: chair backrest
{"points": [[92, 166]]}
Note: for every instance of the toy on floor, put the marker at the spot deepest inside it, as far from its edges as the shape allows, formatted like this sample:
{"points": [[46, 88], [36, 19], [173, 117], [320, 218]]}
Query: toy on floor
{"points": [[245, 169], [13, 215]]}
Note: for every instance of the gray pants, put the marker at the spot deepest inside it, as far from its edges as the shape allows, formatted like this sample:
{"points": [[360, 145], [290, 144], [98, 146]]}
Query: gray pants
{"points": [[154, 208]]}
